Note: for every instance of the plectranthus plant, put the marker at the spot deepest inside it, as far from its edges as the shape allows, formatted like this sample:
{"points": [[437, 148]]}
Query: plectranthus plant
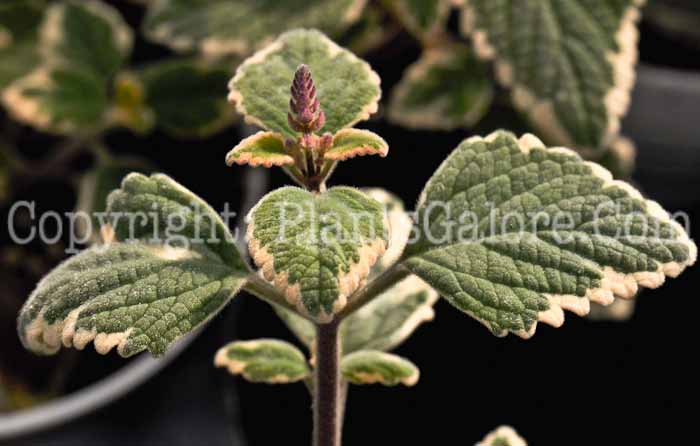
{"points": [[508, 230]]}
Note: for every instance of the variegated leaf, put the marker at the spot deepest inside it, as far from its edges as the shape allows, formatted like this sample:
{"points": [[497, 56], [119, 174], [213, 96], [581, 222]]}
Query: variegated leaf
{"points": [[512, 232], [134, 297], [223, 27], [19, 24], [424, 19], [569, 63], [400, 226], [268, 361], [262, 149], [349, 143], [157, 208], [317, 248], [503, 436], [447, 88], [347, 88], [620, 310], [374, 367]]}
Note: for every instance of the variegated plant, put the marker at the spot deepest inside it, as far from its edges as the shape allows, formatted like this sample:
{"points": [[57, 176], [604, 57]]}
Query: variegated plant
{"points": [[507, 230]]}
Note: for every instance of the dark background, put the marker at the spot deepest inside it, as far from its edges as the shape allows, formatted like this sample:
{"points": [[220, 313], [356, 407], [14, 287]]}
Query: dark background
{"points": [[586, 383]]}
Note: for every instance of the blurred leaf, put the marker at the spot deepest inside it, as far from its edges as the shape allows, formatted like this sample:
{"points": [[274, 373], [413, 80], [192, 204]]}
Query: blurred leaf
{"points": [[4, 175], [129, 108], [58, 100], [503, 436], [373, 367], [200, 86], [620, 158], [268, 361], [543, 233], [424, 19], [131, 296], [569, 64], [370, 32], [620, 310], [221, 27], [400, 225], [447, 88], [19, 24], [347, 87]]}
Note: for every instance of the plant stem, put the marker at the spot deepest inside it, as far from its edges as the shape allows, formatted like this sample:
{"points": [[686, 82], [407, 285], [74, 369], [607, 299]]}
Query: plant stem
{"points": [[327, 394], [260, 288]]}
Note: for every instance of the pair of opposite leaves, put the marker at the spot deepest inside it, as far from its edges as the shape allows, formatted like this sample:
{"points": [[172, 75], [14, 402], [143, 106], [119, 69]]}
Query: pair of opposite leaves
{"points": [[141, 296]]}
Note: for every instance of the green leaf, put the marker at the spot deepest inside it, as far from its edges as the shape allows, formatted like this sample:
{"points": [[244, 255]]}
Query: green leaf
{"points": [[348, 89], [158, 207], [317, 248], [349, 143], [569, 64], [512, 232], [5, 175], [302, 328], [400, 225], [268, 361], [371, 31], [373, 367], [503, 436], [134, 297], [58, 100], [262, 149], [19, 24], [87, 35], [221, 27], [424, 19], [170, 84], [390, 319], [447, 88]]}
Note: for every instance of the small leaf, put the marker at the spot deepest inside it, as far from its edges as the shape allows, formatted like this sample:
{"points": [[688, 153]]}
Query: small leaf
{"points": [[134, 297], [347, 87], [268, 361], [87, 35], [157, 207], [373, 367], [512, 232], [316, 248], [58, 100], [349, 143], [620, 158], [19, 24], [262, 149], [503, 436], [447, 88], [129, 108], [424, 19], [170, 84], [400, 226], [391, 318], [569, 64], [302, 328], [223, 27]]}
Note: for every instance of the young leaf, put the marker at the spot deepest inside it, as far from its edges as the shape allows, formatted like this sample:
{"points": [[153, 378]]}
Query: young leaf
{"points": [[349, 143], [503, 436], [569, 64], [19, 23], [87, 35], [373, 367], [58, 100], [134, 297], [347, 88], [400, 225], [317, 248], [157, 208], [268, 361], [262, 149], [424, 19], [170, 84], [447, 88], [512, 232], [391, 318], [302, 328], [223, 27]]}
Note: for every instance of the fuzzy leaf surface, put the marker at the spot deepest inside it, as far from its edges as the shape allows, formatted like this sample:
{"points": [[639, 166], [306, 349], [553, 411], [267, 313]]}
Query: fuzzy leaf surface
{"points": [[349, 143], [268, 361], [374, 367], [511, 232], [222, 27], [262, 149], [347, 88], [317, 248], [447, 88], [134, 297], [569, 63]]}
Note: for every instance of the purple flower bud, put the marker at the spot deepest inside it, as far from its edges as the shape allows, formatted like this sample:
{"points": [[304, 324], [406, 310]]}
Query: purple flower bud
{"points": [[305, 114]]}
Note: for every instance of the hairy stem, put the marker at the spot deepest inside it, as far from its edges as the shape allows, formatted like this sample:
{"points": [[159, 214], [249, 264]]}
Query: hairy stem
{"points": [[327, 392]]}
